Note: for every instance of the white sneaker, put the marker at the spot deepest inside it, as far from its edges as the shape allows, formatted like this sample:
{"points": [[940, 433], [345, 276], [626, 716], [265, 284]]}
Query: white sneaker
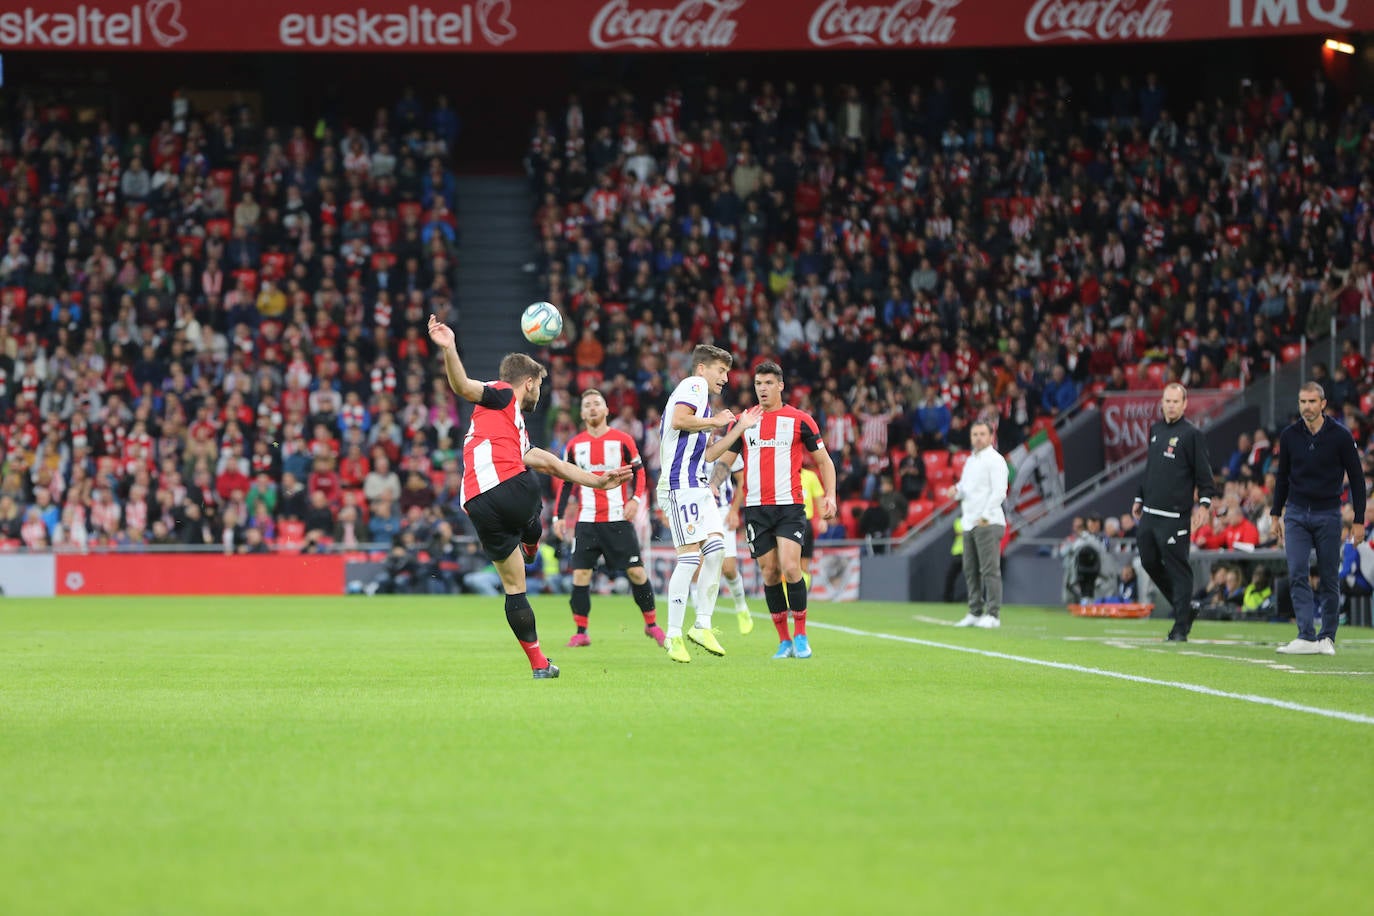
{"points": [[1302, 647], [1326, 647], [988, 622], [968, 621]]}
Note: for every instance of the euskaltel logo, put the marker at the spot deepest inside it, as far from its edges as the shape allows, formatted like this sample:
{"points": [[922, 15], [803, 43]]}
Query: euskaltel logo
{"points": [[93, 26], [493, 18], [164, 22]]}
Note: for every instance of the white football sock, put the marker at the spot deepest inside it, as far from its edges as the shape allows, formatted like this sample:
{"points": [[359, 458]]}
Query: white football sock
{"points": [[678, 586], [736, 589], [708, 583]]}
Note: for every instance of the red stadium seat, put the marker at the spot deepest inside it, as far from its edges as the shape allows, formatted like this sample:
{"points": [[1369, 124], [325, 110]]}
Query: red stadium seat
{"points": [[1156, 373], [1231, 384], [850, 510], [940, 481], [248, 280], [1290, 353], [275, 264], [957, 462], [290, 535], [409, 208], [935, 460], [918, 510], [218, 228]]}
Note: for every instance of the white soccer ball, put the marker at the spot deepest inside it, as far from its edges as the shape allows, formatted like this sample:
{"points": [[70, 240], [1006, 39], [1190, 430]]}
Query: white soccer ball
{"points": [[541, 324]]}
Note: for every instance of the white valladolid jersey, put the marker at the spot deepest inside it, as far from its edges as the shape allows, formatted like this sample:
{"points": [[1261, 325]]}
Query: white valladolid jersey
{"points": [[683, 455]]}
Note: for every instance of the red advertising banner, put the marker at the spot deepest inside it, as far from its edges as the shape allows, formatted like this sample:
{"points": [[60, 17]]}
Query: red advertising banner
{"points": [[199, 574], [650, 25], [1127, 418]]}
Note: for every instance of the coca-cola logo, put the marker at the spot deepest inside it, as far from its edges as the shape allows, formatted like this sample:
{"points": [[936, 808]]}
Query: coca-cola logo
{"points": [[690, 24], [1098, 20], [904, 23]]}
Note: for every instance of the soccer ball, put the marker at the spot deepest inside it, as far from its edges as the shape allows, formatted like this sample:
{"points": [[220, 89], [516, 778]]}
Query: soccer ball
{"points": [[541, 324]]}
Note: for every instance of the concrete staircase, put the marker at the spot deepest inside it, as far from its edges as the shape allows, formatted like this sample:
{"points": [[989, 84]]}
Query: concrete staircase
{"points": [[496, 241]]}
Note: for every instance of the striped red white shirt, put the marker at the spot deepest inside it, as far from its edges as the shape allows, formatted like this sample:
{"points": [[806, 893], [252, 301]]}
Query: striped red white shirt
{"points": [[496, 441], [599, 454], [840, 430], [773, 452]]}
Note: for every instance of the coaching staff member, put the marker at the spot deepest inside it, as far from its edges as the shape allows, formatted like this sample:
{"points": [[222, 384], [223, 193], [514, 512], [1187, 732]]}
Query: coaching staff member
{"points": [[1177, 468], [1316, 454]]}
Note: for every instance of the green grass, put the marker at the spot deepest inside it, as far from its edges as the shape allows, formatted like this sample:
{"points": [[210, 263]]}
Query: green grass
{"points": [[393, 756]]}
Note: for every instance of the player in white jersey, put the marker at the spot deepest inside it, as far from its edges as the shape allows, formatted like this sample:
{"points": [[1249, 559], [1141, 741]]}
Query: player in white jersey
{"points": [[684, 494], [725, 478]]}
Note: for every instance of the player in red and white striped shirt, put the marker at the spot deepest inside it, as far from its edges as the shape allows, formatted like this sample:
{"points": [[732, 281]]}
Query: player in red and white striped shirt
{"points": [[774, 508], [605, 518], [499, 495]]}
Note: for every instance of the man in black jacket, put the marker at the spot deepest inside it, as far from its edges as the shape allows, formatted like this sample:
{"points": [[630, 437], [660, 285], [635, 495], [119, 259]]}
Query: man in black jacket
{"points": [[1178, 466], [1316, 456]]}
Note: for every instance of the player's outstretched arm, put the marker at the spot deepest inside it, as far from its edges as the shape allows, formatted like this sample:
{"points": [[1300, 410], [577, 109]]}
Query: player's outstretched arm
{"points": [[539, 460], [458, 380], [747, 419]]}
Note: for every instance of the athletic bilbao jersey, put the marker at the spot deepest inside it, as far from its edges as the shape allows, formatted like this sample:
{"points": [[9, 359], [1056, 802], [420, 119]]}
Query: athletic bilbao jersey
{"points": [[496, 441], [727, 487], [684, 454], [599, 454], [773, 452]]}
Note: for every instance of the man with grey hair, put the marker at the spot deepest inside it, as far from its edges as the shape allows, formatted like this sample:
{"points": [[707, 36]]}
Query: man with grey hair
{"points": [[1316, 456]]}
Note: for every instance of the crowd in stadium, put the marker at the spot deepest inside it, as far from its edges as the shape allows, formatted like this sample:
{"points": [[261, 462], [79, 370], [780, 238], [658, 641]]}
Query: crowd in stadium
{"points": [[919, 256], [211, 330]]}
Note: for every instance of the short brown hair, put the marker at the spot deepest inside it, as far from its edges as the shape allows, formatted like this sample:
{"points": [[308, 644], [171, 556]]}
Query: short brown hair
{"points": [[705, 354], [517, 367], [590, 392], [768, 367]]}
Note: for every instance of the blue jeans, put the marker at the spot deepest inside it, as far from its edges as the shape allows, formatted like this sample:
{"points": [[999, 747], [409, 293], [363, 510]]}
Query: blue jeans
{"points": [[1303, 530]]}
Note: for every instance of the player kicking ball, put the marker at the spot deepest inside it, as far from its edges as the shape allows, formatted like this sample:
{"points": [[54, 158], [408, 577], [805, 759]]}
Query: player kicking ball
{"points": [[605, 518], [685, 496], [499, 492], [774, 512]]}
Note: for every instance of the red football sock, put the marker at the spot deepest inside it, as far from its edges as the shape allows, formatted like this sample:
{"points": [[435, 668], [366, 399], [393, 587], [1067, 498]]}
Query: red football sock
{"points": [[536, 654], [780, 621], [580, 620], [799, 619], [650, 617]]}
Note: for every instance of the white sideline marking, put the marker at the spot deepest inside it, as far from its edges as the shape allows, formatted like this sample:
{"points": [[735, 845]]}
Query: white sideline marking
{"points": [[1356, 717]]}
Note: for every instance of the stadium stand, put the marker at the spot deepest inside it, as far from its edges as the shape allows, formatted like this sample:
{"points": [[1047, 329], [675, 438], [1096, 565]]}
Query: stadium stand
{"points": [[217, 324], [916, 258]]}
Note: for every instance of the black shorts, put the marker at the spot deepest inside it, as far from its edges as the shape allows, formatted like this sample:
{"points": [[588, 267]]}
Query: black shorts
{"points": [[809, 540], [616, 541], [507, 516], [763, 525]]}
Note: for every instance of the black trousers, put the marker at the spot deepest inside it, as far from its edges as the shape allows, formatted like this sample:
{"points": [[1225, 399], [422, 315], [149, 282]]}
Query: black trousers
{"points": [[1164, 544]]}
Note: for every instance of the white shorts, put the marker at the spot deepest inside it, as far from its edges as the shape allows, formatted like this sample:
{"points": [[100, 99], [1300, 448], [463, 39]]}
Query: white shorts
{"points": [[692, 514]]}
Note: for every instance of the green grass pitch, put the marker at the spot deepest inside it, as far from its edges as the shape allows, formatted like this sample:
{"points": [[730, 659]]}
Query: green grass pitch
{"points": [[351, 755]]}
